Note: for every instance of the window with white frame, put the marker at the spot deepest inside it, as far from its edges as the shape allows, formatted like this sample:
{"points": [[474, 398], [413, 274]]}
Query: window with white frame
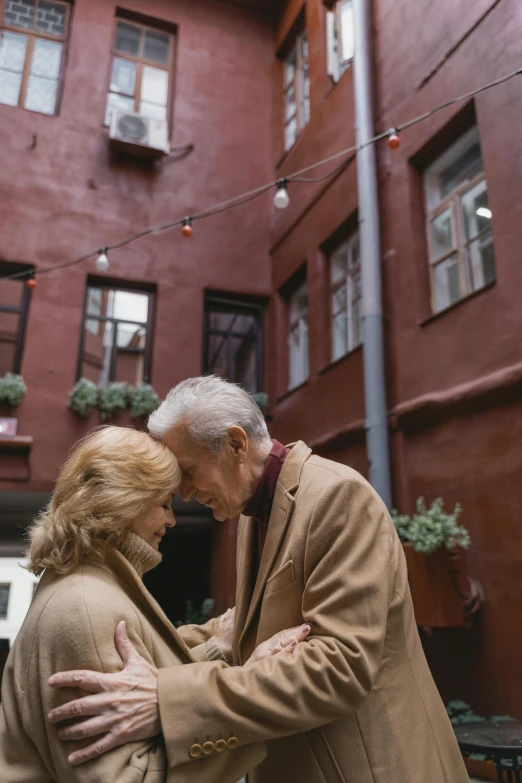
{"points": [[33, 34], [298, 337], [141, 64], [340, 43], [345, 281], [296, 90], [460, 239]]}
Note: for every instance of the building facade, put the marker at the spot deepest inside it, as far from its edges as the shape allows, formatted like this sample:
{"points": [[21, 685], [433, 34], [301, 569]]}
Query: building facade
{"points": [[271, 298]]}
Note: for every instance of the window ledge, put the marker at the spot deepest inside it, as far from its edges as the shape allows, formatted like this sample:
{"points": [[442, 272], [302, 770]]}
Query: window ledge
{"points": [[16, 443], [289, 392], [341, 359], [436, 316], [333, 84]]}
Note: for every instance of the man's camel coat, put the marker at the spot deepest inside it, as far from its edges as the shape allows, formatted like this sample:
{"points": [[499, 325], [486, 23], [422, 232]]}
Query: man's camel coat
{"points": [[356, 703], [70, 625]]}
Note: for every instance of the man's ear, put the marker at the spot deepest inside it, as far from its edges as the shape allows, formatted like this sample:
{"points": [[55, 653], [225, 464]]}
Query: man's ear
{"points": [[237, 440]]}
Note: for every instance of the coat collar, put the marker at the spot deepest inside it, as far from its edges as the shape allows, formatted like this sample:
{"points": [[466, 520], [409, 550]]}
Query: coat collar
{"points": [[119, 567], [282, 509]]}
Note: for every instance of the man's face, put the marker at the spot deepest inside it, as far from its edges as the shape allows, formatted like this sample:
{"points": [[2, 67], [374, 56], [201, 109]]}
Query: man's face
{"points": [[218, 481]]}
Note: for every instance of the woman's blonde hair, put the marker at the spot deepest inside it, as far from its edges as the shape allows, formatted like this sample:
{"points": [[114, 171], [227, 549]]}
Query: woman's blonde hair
{"points": [[112, 477]]}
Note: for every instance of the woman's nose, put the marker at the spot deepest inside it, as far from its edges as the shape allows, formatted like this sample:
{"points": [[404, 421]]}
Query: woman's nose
{"points": [[171, 520]]}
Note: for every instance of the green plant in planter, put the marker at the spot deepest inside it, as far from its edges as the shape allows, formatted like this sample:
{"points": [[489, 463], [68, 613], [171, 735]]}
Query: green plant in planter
{"points": [[12, 389], [143, 400], [198, 616], [261, 400], [431, 528], [83, 397], [113, 399]]}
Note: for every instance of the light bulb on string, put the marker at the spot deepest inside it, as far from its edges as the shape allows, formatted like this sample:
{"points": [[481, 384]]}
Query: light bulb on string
{"points": [[281, 198], [394, 141], [187, 227], [31, 283], [102, 262]]}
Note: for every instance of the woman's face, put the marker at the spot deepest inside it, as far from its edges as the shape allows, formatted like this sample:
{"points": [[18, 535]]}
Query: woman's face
{"points": [[153, 525]]}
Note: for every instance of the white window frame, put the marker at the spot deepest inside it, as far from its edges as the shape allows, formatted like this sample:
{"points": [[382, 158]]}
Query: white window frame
{"points": [[298, 362], [301, 84], [340, 40], [462, 247], [353, 296]]}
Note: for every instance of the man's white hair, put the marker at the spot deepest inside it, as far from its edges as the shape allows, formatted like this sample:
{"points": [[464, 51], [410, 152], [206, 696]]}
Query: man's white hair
{"points": [[210, 405]]}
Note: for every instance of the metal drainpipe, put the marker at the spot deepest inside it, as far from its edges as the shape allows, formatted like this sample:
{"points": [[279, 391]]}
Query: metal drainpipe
{"points": [[374, 375]]}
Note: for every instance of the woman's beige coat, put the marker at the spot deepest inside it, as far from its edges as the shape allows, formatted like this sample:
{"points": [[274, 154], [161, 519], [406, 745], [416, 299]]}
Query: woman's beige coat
{"points": [[71, 625]]}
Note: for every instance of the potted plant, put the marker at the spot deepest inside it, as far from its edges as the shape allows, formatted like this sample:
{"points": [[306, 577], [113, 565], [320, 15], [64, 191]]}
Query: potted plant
{"points": [[12, 390], [143, 400], [83, 398], [435, 546]]}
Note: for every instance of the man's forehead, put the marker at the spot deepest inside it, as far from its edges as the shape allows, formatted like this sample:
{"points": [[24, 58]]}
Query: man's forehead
{"points": [[178, 440]]}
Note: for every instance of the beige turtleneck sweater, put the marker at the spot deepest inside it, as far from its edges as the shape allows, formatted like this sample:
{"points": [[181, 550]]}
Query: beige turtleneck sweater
{"points": [[143, 558]]}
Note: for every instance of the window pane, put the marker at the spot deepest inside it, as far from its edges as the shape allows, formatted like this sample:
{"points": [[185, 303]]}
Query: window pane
{"points": [[47, 57], [298, 303], [339, 301], [153, 111], [339, 263], [130, 335], [19, 12], [156, 47], [129, 366], [41, 95], [243, 357], [290, 101], [50, 18], [123, 76], [290, 67], [10, 84], [9, 325], [306, 96], [97, 352], [481, 262], [154, 85], [339, 335], [347, 38], [13, 48], [441, 235], [4, 600], [463, 168], [290, 133], [460, 163], [356, 323], [119, 102], [304, 45], [127, 38], [131, 306], [446, 283], [222, 321], [476, 211]]}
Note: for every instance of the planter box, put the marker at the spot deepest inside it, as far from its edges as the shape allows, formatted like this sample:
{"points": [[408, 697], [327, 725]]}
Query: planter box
{"points": [[440, 587], [483, 770]]}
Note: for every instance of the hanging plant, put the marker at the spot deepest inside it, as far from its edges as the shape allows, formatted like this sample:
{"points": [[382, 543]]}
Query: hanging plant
{"points": [[12, 389], [113, 399], [143, 400], [261, 400], [431, 528], [83, 397]]}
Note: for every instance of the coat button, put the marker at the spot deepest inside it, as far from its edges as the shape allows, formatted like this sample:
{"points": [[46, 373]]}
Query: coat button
{"points": [[208, 748], [195, 751], [220, 745], [232, 742]]}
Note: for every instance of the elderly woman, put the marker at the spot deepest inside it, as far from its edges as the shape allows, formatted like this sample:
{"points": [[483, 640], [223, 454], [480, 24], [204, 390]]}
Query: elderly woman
{"points": [[101, 532]]}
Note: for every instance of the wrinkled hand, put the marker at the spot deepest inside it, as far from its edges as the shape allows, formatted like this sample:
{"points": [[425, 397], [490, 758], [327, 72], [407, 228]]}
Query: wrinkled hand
{"points": [[284, 641], [225, 630], [123, 709]]}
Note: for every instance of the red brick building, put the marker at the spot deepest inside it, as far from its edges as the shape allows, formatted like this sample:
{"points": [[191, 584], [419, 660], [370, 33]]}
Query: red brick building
{"points": [[256, 91]]}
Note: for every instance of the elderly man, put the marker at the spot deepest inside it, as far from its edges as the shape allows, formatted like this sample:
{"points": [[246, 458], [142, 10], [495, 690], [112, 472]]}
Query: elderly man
{"points": [[356, 702]]}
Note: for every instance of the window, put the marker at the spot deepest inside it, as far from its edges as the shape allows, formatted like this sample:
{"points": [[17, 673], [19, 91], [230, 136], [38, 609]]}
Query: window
{"points": [[234, 341], [340, 44], [460, 239], [139, 71], [14, 308], [31, 62], [296, 90], [5, 589], [116, 339], [345, 279], [298, 337]]}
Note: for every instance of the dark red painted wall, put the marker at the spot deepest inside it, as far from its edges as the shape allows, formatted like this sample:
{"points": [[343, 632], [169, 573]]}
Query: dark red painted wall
{"points": [[464, 451]]}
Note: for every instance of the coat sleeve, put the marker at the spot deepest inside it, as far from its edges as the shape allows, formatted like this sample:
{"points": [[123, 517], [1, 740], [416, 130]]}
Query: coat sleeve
{"points": [[195, 635], [349, 577], [74, 633]]}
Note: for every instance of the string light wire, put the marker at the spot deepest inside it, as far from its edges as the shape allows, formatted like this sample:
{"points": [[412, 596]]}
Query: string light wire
{"points": [[296, 176]]}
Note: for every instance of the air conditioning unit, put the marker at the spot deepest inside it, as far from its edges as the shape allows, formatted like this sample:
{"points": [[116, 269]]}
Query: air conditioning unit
{"points": [[137, 135]]}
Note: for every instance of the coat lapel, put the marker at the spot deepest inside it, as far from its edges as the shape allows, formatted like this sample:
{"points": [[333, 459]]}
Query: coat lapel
{"points": [[133, 585], [282, 509], [245, 555]]}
